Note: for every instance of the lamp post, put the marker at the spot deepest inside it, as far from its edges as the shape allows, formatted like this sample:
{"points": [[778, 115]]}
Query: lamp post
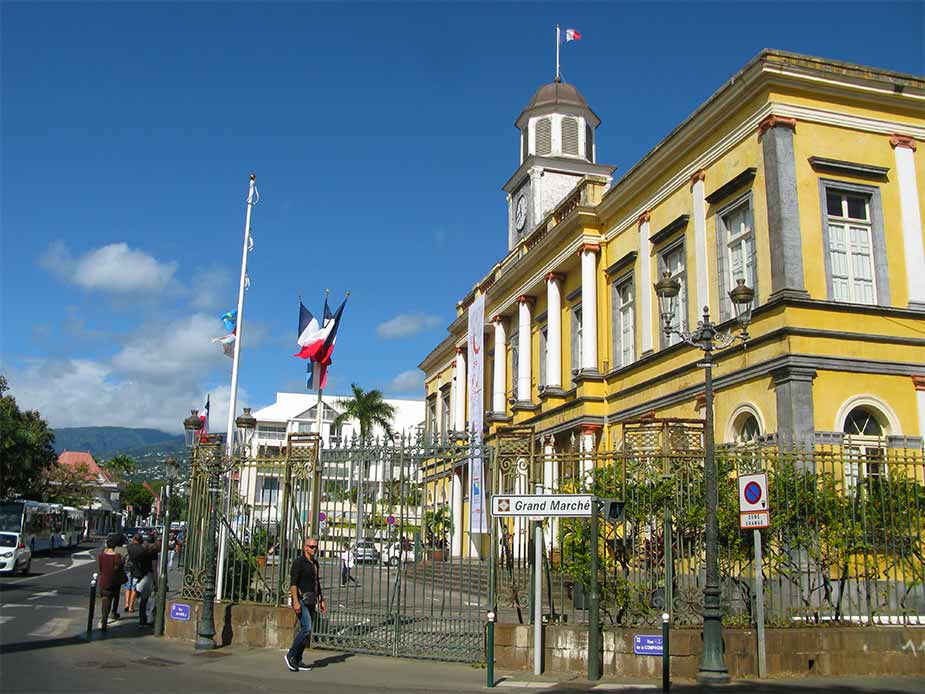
{"points": [[707, 338], [159, 616], [215, 463]]}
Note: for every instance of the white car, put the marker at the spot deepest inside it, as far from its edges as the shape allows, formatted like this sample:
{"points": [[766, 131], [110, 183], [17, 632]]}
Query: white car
{"points": [[14, 555]]}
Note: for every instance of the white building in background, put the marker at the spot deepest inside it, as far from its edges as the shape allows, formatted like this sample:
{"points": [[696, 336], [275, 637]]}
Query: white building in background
{"points": [[295, 413]]}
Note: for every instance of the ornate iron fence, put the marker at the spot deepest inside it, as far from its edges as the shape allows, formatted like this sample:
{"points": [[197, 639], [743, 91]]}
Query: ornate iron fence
{"points": [[846, 543]]}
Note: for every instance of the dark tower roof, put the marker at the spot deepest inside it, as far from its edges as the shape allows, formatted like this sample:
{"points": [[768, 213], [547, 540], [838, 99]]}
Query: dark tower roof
{"points": [[554, 97]]}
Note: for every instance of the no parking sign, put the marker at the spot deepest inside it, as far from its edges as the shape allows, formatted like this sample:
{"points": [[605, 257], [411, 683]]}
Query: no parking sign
{"points": [[753, 501]]}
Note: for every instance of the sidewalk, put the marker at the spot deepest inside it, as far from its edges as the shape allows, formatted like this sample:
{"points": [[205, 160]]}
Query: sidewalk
{"points": [[244, 669]]}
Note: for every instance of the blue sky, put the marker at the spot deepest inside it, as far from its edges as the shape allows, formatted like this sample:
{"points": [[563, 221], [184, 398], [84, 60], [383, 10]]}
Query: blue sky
{"points": [[380, 134]]}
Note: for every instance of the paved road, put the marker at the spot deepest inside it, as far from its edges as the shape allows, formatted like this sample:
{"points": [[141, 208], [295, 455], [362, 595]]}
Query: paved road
{"points": [[43, 648]]}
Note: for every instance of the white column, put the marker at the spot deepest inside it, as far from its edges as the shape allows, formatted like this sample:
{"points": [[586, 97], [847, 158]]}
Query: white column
{"points": [[459, 415], [699, 207], [644, 288], [518, 544], [919, 383], [500, 370], [550, 485], [904, 151], [456, 502], [589, 307], [524, 346], [586, 445], [554, 330]]}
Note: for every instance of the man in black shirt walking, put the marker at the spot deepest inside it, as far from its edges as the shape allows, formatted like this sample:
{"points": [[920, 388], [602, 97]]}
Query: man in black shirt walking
{"points": [[305, 591]]}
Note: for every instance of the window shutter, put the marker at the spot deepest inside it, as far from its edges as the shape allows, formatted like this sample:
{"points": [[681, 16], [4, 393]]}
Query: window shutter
{"points": [[575, 365], [543, 136], [627, 323], [570, 136], [838, 255], [722, 236], [514, 362], [589, 143], [616, 339], [543, 338], [862, 264]]}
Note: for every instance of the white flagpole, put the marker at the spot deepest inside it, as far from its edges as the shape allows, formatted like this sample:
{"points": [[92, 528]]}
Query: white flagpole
{"points": [[557, 52], [232, 401]]}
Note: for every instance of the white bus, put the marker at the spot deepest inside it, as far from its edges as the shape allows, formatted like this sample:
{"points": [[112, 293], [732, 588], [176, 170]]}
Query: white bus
{"points": [[43, 526]]}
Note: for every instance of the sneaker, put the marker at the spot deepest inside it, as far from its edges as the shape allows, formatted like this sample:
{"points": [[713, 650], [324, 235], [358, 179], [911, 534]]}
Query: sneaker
{"points": [[115, 617], [292, 668], [303, 667]]}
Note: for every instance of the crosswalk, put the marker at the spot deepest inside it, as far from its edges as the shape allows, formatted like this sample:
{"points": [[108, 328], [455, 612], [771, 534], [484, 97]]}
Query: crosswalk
{"points": [[61, 620]]}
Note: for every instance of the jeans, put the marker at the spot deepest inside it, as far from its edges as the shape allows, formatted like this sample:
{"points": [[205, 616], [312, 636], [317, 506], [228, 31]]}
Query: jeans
{"points": [[303, 633]]}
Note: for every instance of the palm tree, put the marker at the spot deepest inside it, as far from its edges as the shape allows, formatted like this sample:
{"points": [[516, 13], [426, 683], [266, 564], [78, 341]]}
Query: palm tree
{"points": [[369, 409]]}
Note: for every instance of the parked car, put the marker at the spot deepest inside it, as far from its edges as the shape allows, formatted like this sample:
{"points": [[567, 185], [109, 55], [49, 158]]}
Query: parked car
{"points": [[365, 552], [14, 555], [393, 555]]}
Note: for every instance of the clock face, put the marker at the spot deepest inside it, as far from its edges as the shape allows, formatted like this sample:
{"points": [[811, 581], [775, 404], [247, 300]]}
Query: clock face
{"points": [[520, 213]]}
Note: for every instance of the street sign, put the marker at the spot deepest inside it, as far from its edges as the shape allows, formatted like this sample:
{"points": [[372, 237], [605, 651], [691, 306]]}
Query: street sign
{"points": [[644, 644], [542, 505], [390, 520], [322, 517], [179, 612], [753, 501]]}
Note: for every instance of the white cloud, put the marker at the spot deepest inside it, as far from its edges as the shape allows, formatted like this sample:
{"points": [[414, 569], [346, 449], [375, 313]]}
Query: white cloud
{"points": [[176, 349], [406, 325], [212, 290], [114, 268], [77, 392], [408, 382]]}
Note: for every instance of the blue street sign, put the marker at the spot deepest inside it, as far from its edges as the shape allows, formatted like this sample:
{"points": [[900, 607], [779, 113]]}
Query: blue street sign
{"points": [[179, 612], [647, 645]]}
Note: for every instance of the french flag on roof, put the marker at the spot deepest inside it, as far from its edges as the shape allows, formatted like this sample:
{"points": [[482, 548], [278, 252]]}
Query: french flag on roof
{"points": [[572, 35]]}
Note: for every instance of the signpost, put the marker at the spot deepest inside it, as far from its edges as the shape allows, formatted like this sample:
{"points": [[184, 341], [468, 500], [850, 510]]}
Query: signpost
{"points": [[538, 507], [542, 506], [755, 513]]}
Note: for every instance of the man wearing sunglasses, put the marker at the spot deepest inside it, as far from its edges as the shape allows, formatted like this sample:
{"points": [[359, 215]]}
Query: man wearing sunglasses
{"points": [[305, 591]]}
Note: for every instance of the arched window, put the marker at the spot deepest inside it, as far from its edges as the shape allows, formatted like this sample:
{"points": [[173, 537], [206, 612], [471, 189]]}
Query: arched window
{"points": [[543, 136], [864, 447], [570, 136], [747, 429]]}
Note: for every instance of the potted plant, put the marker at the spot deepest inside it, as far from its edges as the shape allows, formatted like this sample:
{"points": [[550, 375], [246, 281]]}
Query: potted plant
{"points": [[437, 526]]}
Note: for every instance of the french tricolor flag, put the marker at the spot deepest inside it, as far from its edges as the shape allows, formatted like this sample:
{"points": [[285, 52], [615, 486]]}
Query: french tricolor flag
{"points": [[572, 35], [311, 335]]}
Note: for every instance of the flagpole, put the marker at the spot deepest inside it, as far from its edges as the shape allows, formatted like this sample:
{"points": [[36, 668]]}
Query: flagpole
{"points": [[232, 401], [557, 52]]}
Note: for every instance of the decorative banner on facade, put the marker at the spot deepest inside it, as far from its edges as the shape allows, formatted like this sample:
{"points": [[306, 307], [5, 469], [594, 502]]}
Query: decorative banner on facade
{"points": [[478, 522]]}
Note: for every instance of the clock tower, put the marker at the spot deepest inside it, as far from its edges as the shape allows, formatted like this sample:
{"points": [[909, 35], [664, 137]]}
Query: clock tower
{"points": [[557, 149]]}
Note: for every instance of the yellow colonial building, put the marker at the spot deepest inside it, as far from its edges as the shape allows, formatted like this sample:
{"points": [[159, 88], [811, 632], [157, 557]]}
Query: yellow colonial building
{"points": [[802, 176]]}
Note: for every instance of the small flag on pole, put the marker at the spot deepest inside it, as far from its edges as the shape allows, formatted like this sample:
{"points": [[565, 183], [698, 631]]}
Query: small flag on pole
{"points": [[230, 320], [204, 417], [571, 35]]}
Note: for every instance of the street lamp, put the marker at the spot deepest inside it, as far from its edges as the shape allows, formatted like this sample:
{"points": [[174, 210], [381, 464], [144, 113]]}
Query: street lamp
{"points": [[246, 424], [172, 472], [707, 338]]}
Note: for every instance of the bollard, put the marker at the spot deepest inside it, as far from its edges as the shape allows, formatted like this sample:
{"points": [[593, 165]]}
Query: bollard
{"points": [[666, 681], [93, 580]]}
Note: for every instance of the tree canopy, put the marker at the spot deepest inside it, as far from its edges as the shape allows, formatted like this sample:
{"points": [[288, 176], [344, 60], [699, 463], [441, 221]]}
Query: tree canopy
{"points": [[27, 449], [369, 408], [121, 464]]}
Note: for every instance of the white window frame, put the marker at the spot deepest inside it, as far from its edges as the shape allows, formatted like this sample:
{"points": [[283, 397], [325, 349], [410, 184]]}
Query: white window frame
{"points": [[680, 318], [743, 239], [624, 312], [846, 224]]}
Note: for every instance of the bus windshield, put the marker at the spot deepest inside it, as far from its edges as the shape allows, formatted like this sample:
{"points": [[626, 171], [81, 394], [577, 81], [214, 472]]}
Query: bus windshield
{"points": [[11, 516]]}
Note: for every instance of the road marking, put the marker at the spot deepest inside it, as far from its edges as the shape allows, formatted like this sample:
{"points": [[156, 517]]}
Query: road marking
{"points": [[69, 608], [528, 685], [56, 564], [46, 594], [75, 565], [622, 687], [4, 620], [53, 627]]}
